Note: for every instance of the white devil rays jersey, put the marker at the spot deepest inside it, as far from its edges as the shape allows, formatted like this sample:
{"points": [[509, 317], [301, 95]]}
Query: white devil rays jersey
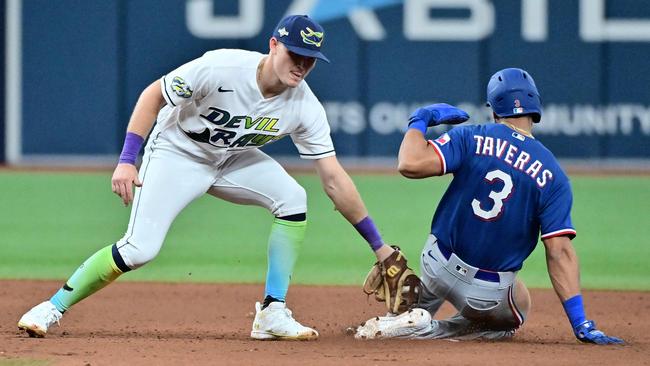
{"points": [[214, 108]]}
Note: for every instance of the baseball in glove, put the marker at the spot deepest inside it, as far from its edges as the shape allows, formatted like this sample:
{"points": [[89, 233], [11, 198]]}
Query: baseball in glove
{"points": [[394, 282]]}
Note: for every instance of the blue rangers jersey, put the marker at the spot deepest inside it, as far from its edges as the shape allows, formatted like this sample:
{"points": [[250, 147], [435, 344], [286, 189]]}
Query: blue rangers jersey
{"points": [[507, 188]]}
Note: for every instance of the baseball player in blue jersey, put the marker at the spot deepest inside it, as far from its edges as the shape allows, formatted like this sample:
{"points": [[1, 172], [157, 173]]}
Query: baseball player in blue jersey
{"points": [[213, 114], [507, 190]]}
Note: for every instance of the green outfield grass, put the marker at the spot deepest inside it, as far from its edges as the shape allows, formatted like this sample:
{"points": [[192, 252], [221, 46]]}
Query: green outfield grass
{"points": [[51, 222]]}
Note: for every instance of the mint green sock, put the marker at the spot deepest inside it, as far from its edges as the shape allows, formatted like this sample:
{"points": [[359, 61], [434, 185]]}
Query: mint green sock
{"points": [[94, 274], [285, 241]]}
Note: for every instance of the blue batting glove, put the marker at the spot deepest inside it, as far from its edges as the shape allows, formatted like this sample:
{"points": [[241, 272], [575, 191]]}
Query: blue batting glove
{"points": [[586, 332], [436, 114]]}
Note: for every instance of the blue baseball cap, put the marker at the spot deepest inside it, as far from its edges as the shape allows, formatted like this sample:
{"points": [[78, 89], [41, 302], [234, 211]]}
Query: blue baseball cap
{"points": [[301, 35]]}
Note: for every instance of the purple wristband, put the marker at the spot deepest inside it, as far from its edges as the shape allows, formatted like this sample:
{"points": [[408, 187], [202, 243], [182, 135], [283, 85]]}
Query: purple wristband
{"points": [[132, 144], [368, 230]]}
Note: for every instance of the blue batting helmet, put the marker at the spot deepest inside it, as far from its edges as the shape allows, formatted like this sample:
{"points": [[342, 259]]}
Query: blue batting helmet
{"points": [[512, 92]]}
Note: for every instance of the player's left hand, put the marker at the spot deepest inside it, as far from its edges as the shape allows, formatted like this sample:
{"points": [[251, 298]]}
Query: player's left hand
{"points": [[587, 333], [437, 114], [394, 282]]}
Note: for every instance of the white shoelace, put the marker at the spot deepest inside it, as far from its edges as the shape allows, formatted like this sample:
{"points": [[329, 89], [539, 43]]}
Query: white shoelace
{"points": [[289, 315]]}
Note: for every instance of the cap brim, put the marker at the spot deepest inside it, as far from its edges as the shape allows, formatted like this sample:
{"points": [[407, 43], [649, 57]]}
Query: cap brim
{"points": [[307, 52]]}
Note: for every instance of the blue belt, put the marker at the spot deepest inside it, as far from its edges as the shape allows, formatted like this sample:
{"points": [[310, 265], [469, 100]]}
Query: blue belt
{"points": [[480, 274]]}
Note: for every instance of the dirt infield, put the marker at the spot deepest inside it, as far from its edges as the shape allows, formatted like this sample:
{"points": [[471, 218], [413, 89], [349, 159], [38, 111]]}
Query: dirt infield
{"points": [[208, 324]]}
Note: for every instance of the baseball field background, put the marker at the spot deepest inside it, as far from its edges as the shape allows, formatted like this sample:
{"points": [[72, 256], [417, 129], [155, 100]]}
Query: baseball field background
{"points": [[52, 221], [73, 70], [193, 305]]}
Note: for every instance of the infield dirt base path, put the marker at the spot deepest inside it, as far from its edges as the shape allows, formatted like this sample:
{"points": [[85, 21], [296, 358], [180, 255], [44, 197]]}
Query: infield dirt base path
{"points": [[209, 324]]}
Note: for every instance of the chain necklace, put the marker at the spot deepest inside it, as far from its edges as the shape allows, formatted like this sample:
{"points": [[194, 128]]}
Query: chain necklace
{"points": [[520, 130], [260, 67]]}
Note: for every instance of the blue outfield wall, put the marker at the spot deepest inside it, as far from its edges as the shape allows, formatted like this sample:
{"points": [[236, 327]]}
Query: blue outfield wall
{"points": [[86, 62]]}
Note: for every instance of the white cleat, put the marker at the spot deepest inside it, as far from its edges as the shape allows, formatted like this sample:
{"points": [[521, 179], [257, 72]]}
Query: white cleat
{"points": [[276, 322], [37, 320], [405, 325]]}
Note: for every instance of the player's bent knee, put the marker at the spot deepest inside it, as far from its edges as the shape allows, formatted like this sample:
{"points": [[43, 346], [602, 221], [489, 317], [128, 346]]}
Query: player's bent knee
{"points": [[135, 256], [294, 201], [119, 260], [522, 297], [298, 195]]}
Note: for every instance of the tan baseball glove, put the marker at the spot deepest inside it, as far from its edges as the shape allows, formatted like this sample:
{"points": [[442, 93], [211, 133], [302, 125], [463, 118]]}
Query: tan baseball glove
{"points": [[394, 282]]}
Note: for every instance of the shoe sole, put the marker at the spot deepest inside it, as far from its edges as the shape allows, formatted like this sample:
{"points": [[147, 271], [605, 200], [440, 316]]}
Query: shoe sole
{"points": [[393, 327], [266, 336], [32, 330]]}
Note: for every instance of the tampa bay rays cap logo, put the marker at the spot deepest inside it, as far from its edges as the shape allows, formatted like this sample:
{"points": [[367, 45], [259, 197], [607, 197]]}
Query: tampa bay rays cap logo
{"points": [[301, 35], [311, 37]]}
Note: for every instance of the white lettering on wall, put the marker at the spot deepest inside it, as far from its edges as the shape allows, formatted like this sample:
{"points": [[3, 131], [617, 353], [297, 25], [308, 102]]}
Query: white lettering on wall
{"points": [[386, 118], [418, 26], [534, 20], [594, 27], [202, 23], [348, 117]]}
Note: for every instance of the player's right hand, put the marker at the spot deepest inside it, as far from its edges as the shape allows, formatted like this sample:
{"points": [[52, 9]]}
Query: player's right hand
{"points": [[587, 333], [124, 176], [437, 114]]}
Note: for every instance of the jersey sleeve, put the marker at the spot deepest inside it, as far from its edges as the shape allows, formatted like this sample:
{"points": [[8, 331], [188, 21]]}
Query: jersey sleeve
{"points": [[312, 139], [555, 217], [452, 147], [189, 82]]}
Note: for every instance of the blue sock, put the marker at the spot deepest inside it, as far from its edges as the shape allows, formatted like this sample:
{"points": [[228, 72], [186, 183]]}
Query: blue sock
{"points": [[285, 241]]}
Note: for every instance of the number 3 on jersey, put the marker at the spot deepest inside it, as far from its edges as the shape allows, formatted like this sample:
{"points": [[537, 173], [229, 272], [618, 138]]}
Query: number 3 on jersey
{"points": [[497, 197]]}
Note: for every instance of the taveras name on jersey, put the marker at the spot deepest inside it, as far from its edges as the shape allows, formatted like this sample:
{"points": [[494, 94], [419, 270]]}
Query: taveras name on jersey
{"points": [[507, 188], [502, 149]]}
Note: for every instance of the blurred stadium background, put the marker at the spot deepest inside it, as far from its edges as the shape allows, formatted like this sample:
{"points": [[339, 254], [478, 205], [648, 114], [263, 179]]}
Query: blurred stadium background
{"points": [[74, 69]]}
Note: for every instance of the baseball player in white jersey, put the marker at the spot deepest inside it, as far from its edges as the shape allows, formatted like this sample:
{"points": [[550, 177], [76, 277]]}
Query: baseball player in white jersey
{"points": [[213, 114]]}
